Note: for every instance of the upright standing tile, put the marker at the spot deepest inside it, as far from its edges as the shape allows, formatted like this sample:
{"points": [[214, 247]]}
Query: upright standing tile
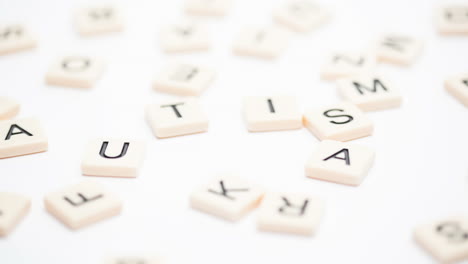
{"points": [[13, 207], [265, 43], [340, 122], [98, 20], [347, 64], [113, 157], [458, 86], [227, 196], [78, 71], [208, 7], [185, 37], [340, 162], [301, 15], [15, 38], [398, 49], [20, 137], [452, 19], [268, 113], [177, 118], [370, 92], [82, 204], [184, 79], [9, 108], [446, 240], [134, 260], [290, 213]]}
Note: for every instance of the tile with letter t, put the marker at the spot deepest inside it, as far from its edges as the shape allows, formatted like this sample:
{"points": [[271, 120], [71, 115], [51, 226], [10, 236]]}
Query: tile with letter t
{"points": [[78, 71], [452, 19], [82, 204], [347, 64], [340, 162], [8, 108], [98, 20], [134, 260], [185, 37], [263, 113], [446, 239], [13, 208], [14, 38], [177, 118], [290, 213], [370, 92], [458, 87], [227, 196], [301, 15], [267, 43], [113, 158], [398, 49], [342, 122], [21, 137], [208, 7], [184, 79]]}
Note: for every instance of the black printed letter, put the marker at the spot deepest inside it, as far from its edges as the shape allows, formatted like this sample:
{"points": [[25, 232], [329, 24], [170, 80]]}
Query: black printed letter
{"points": [[21, 131], [102, 152], [287, 204], [84, 199], [335, 156], [377, 82], [174, 107], [224, 191], [350, 118]]}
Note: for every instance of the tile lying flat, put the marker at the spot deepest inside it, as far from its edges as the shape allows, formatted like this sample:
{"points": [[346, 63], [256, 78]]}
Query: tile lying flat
{"points": [[458, 87], [267, 43], [208, 7], [301, 15], [452, 19], [20, 137], [13, 208], [9, 108], [80, 71], [398, 49], [347, 64], [14, 38], [185, 37], [98, 20]]}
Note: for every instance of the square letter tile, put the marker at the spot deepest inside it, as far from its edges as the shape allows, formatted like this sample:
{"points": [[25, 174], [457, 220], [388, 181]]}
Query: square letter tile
{"points": [[9, 108], [227, 196], [13, 207], [113, 157], [265, 43], [82, 204], [398, 49], [184, 79], [290, 213], [452, 19], [21, 137], [15, 38], [340, 122], [185, 37], [347, 64], [340, 162], [98, 20], [75, 71], [208, 7], [301, 15], [458, 87], [446, 240], [177, 118], [264, 113], [370, 92]]}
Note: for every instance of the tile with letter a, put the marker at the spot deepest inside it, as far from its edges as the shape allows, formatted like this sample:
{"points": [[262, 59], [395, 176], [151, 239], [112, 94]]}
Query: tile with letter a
{"points": [[227, 196], [13, 208], [458, 87], [98, 20], [9, 108], [15, 38], [370, 92], [342, 122], [452, 19], [290, 213], [265, 43], [177, 118], [301, 15], [82, 204], [184, 79], [185, 37], [340, 162], [398, 49], [347, 64], [446, 239], [263, 113], [134, 260], [208, 7], [113, 158], [21, 137], [78, 71]]}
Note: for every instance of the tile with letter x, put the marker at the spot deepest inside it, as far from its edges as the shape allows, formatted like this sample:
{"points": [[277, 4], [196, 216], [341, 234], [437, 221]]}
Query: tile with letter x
{"points": [[347, 64], [20, 137], [79, 71], [208, 7], [301, 15], [185, 37], [8, 107], [458, 87], [13, 207], [227, 196], [98, 20], [267, 43], [14, 38], [452, 19], [398, 49], [82, 204]]}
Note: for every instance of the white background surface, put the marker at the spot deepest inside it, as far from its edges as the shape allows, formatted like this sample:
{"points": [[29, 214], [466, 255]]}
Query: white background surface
{"points": [[420, 172]]}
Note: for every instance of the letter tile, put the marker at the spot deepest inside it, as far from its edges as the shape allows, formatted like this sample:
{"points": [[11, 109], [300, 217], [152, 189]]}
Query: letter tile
{"points": [[458, 87], [9, 108], [208, 7], [13, 208], [14, 38], [452, 19], [185, 37], [20, 137], [98, 20], [398, 49], [347, 64], [301, 15], [265, 43], [78, 71]]}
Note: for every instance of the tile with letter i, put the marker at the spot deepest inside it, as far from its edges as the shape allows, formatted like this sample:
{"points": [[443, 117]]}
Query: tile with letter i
{"points": [[208, 7], [398, 49], [14, 38], [452, 19], [185, 37], [9, 108], [13, 208], [458, 87], [134, 260], [98, 20], [21, 137], [347, 64], [301, 15], [267, 43]]}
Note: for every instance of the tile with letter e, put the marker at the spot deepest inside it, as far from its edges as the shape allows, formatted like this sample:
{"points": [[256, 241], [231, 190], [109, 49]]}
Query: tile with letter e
{"points": [[347, 64], [398, 49], [134, 260], [370, 92], [13, 208], [340, 162], [78, 71], [185, 37], [208, 7], [342, 122], [290, 213], [227, 196], [113, 158], [14, 38], [301, 15], [452, 19], [21, 137], [458, 87], [184, 79], [263, 113], [265, 43], [98, 20], [9, 107], [82, 204], [446, 239]]}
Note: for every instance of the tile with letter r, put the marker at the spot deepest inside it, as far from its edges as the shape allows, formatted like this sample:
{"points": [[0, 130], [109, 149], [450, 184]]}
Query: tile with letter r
{"points": [[452, 19], [457, 86], [208, 7], [185, 37], [21, 137], [14, 38], [98, 20], [262, 42], [9, 107], [13, 208], [301, 15], [347, 64], [398, 49], [80, 71]]}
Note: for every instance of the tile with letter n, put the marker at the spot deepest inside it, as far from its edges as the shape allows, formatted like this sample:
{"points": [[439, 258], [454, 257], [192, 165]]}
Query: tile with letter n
{"points": [[98, 20], [208, 7], [301, 15], [227, 196], [13, 208], [347, 64], [14, 38], [8, 107], [458, 87], [80, 71], [262, 42], [82, 204], [185, 37], [21, 137], [452, 19]]}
